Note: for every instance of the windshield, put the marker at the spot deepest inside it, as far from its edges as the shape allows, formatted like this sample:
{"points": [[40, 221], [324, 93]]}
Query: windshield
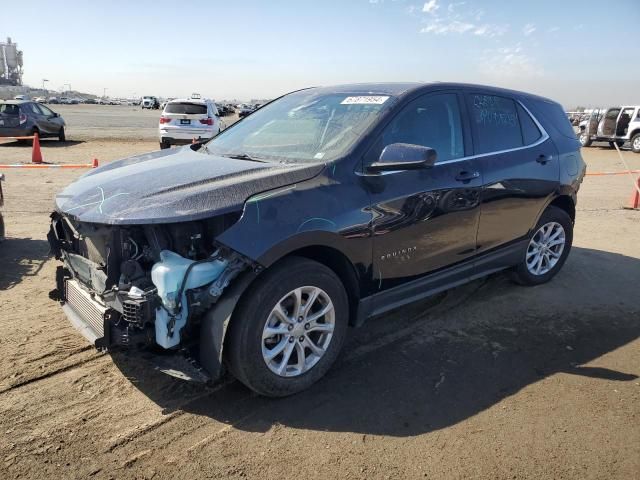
{"points": [[305, 126]]}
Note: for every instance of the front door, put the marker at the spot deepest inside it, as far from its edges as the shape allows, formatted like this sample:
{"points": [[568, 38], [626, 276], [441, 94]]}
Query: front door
{"points": [[424, 220]]}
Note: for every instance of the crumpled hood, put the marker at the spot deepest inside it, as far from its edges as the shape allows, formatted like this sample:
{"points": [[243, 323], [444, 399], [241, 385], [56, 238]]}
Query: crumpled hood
{"points": [[173, 185]]}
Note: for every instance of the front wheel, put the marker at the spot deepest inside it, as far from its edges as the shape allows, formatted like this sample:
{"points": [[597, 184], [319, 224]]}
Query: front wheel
{"points": [[547, 250], [288, 329], [62, 136], [585, 141]]}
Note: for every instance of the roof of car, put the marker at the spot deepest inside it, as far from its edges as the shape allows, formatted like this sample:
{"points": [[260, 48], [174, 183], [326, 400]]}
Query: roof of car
{"points": [[15, 102], [400, 89], [203, 101]]}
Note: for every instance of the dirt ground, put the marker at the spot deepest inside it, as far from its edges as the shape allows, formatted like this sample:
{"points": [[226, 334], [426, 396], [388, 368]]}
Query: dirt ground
{"points": [[489, 380]]}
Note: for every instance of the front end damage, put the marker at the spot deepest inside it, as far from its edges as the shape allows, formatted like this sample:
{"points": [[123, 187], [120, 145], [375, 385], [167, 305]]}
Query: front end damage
{"points": [[146, 287]]}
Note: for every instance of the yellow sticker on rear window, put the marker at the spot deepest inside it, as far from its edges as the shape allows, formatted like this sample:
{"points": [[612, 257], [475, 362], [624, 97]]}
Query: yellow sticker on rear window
{"points": [[368, 100]]}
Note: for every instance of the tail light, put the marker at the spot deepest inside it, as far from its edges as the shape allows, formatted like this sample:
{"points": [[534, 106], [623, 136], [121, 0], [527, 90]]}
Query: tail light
{"points": [[207, 121], [164, 120], [23, 118]]}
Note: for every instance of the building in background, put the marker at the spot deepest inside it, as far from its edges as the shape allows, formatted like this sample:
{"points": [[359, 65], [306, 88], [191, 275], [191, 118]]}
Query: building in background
{"points": [[10, 63]]}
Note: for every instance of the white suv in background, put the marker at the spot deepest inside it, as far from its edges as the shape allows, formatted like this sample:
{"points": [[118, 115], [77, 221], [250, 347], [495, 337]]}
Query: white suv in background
{"points": [[186, 119]]}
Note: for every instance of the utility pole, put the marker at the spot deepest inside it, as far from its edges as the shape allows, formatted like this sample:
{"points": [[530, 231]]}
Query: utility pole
{"points": [[44, 80], [104, 92]]}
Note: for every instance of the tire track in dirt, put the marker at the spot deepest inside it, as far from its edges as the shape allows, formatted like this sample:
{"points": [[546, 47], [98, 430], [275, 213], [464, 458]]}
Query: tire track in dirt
{"points": [[28, 381]]}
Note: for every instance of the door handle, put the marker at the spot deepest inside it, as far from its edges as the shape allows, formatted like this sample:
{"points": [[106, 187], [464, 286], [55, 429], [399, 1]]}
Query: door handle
{"points": [[465, 176], [542, 159]]}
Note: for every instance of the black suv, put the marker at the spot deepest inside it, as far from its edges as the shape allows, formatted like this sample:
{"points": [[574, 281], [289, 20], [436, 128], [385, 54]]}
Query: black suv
{"points": [[325, 207]]}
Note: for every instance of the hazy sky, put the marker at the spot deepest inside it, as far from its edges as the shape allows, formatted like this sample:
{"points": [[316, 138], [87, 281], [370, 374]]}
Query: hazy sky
{"points": [[577, 52]]}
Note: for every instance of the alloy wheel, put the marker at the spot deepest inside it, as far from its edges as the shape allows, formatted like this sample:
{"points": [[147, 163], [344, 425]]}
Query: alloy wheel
{"points": [[298, 331], [636, 143], [545, 248]]}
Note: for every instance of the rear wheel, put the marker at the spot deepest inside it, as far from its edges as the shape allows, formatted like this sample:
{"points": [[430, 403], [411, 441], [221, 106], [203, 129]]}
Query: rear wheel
{"points": [[164, 144], [635, 143], [288, 329], [62, 136], [547, 250]]}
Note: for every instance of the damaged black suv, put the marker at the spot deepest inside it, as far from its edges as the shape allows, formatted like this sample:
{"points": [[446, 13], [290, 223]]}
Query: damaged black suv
{"points": [[256, 250]]}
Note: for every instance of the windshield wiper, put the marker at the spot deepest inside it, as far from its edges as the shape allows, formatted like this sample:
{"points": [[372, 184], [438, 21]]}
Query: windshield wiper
{"points": [[244, 156]]}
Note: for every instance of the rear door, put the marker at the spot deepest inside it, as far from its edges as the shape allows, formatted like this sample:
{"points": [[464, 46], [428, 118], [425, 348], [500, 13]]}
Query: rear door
{"points": [[425, 219], [33, 111], [519, 163]]}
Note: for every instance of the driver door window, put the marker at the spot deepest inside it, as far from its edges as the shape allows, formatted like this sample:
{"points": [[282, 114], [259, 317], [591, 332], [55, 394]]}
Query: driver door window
{"points": [[430, 121]]}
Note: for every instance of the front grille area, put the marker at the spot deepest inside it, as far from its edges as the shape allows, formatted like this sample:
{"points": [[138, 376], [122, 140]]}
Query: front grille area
{"points": [[90, 311]]}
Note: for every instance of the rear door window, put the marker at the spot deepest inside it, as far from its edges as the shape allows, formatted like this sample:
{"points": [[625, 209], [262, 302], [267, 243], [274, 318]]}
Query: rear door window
{"points": [[186, 108], [495, 123], [32, 108]]}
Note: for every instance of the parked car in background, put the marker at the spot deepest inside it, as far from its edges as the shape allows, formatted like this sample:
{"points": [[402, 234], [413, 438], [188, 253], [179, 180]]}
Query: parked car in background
{"points": [[244, 110], [616, 125], [2, 230], [24, 118], [150, 103], [21, 97], [54, 101], [182, 120], [324, 208], [90, 101], [40, 100]]}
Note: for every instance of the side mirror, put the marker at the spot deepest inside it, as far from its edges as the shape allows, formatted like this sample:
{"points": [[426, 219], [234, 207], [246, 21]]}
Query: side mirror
{"points": [[404, 156]]}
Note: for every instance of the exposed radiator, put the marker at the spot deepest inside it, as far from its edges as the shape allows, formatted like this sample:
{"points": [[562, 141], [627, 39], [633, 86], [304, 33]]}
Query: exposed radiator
{"points": [[90, 311]]}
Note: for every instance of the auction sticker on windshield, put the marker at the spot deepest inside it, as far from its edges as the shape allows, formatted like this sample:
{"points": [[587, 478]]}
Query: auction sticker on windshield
{"points": [[368, 100]]}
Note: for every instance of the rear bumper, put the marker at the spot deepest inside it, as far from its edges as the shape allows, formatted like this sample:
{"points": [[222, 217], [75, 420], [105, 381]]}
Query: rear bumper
{"points": [[189, 134], [15, 131]]}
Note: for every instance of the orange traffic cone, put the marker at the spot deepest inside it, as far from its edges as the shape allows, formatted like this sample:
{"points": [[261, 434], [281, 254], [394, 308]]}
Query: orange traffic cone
{"points": [[634, 201], [95, 163], [36, 154]]}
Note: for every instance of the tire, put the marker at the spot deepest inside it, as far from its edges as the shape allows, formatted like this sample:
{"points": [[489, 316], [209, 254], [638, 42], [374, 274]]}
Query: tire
{"points": [[585, 141], [164, 144], [62, 136], [524, 273], [635, 143], [619, 142], [246, 348]]}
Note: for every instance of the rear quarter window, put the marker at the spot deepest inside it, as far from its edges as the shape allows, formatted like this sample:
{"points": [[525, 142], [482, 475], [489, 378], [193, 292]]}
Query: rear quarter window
{"points": [[553, 114], [186, 108]]}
